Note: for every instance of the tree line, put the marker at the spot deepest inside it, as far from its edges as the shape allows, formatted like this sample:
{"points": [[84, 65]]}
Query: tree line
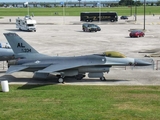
{"points": [[137, 3], [120, 3]]}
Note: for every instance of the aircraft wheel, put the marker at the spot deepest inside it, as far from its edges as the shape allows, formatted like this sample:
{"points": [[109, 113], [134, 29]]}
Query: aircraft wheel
{"points": [[102, 78], [60, 80]]}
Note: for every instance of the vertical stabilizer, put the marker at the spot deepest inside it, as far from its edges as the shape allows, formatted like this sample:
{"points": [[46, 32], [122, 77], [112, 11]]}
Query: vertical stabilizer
{"points": [[18, 44]]}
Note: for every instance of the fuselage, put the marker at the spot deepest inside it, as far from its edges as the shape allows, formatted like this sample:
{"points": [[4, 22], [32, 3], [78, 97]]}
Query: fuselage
{"points": [[88, 63], [6, 54]]}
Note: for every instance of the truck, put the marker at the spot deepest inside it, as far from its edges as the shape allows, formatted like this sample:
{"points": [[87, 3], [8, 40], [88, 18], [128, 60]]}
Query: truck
{"points": [[98, 16], [26, 24]]}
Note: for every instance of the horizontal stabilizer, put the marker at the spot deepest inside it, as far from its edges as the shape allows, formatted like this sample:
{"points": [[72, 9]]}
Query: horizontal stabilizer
{"points": [[15, 68]]}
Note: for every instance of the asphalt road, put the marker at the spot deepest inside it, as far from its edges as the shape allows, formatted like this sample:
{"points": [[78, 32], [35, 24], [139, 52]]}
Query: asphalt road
{"points": [[63, 36]]}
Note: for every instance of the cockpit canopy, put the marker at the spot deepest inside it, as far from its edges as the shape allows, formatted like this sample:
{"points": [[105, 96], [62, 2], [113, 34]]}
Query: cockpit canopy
{"points": [[114, 54]]}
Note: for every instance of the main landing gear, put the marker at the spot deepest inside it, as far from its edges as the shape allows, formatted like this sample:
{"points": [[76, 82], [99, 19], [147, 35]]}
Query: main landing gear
{"points": [[77, 77], [60, 79]]}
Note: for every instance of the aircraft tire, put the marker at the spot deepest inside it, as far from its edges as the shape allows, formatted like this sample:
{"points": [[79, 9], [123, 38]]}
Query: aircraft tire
{"points": [[112, 20], [102, 78], [60, 80]]}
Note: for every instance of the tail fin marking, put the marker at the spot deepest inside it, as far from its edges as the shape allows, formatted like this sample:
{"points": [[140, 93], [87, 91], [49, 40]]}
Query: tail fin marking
{"points": [[18, 44]]}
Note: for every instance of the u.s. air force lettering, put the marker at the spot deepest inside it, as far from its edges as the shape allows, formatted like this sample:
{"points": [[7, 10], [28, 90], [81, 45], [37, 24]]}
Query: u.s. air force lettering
{"points": [[22, 46]]}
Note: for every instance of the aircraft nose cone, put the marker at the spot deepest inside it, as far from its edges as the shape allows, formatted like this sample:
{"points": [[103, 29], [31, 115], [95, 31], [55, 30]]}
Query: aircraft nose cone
{"points": [[139, 62]]}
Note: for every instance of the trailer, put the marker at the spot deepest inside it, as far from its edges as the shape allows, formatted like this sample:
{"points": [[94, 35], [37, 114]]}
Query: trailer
{"points": [[26, 24]]}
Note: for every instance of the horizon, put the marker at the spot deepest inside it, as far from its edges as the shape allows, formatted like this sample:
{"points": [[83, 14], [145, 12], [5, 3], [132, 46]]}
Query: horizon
{"points": [[66, 0]]}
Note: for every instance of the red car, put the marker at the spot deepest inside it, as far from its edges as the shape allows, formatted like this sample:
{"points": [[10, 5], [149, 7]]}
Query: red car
{"points": [[136, 34]]}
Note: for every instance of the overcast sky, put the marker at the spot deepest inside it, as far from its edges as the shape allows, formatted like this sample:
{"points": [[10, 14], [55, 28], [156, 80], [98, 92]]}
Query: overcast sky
{"points": [[58, 0]]}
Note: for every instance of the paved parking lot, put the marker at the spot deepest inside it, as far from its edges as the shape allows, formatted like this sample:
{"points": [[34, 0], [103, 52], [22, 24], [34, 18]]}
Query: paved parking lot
{"points": [[63, 36]]}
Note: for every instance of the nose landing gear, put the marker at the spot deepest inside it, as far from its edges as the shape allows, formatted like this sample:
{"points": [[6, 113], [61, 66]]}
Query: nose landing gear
{"points": [[102, 78]]}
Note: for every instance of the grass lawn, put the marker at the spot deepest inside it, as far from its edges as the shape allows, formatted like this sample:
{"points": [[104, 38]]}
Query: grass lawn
{"points": [[62, 102], [75, 11]]}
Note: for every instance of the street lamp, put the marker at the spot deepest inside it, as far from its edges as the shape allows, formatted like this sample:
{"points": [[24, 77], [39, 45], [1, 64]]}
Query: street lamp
{"points": [[130, 8], [26, 4], [79, 2], [144, 14], [62, 3], [136, 10], [99, 5]]}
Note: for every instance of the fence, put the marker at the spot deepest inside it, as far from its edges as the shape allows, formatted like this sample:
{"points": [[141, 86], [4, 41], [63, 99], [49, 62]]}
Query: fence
{"points": [[3, 65]]}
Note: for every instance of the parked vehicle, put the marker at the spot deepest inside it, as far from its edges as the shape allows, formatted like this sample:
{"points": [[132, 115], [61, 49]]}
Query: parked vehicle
{"points": [[26, 24], [87, 27], [123, 17], [98, 16], [136, 33]]}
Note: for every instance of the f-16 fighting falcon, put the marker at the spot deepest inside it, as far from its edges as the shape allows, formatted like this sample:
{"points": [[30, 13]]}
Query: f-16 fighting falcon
{"points": [[28, 59]]}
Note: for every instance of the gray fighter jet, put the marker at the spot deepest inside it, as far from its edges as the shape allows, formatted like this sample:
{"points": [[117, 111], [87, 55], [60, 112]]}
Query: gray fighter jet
{"points": [[6, 53], [28, 59]]}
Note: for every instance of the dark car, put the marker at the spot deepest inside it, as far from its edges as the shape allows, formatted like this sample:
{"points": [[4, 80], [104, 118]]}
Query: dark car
{"points": [[123, 17], [136, 34], [87, 27]]}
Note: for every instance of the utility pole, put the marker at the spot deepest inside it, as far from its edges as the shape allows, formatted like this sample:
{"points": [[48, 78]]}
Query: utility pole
{"points": [[144, 14], [136, 10]]}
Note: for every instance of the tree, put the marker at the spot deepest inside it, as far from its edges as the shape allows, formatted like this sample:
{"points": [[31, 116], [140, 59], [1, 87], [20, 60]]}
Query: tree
{"points": [[126, 2], [158, 3], [1, 5], [138, 3]]}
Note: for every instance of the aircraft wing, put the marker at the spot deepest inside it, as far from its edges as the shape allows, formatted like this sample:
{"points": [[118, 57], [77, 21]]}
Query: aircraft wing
{"points": [[15, 68], [60, 67]]}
